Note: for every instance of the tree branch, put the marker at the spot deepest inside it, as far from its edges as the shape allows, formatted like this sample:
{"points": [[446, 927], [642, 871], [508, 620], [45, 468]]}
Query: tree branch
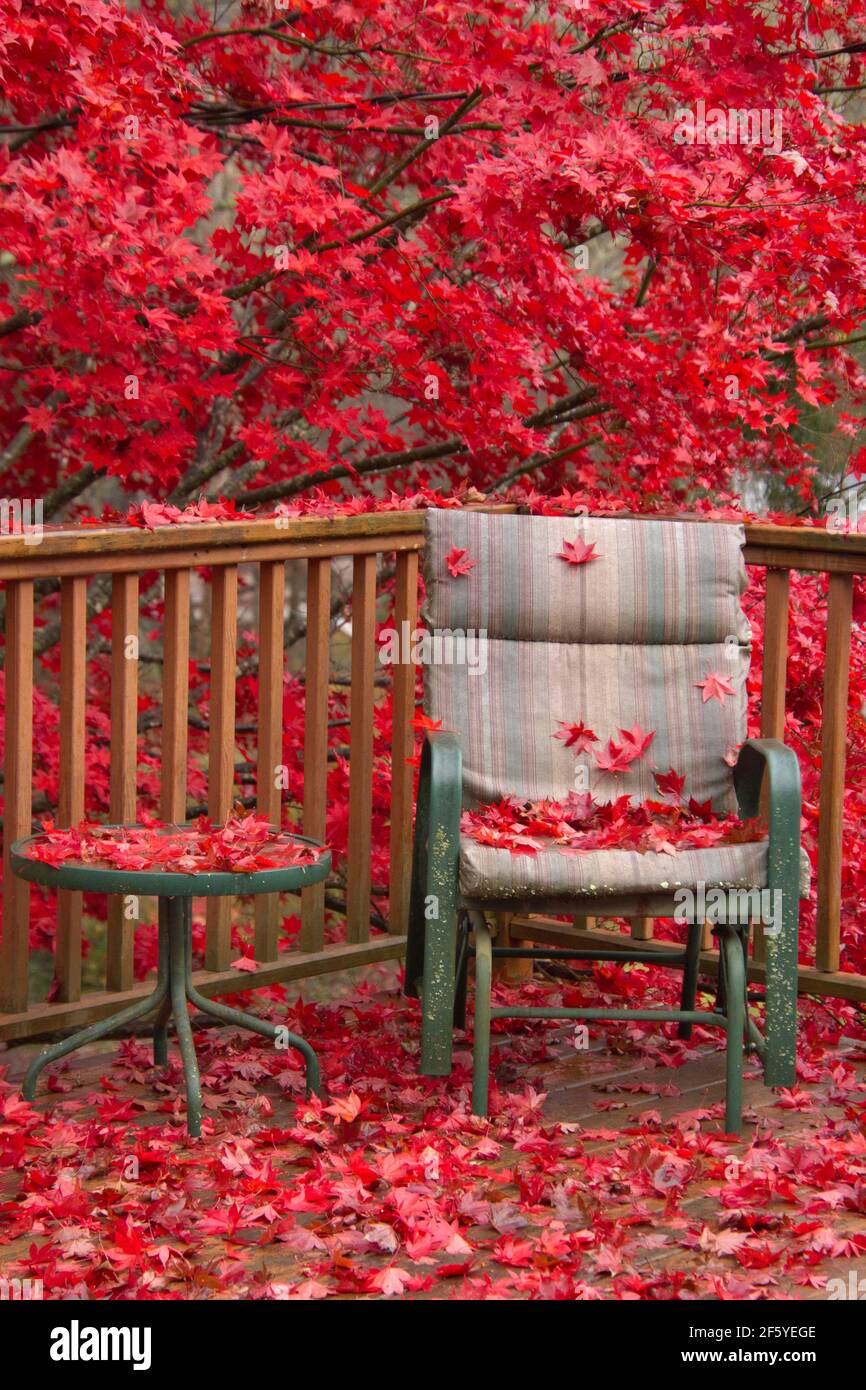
{"points": [[257, 282], [565, 403], [389, 174], [540, 460], [378, 463], [24, 318], [71, 488]]}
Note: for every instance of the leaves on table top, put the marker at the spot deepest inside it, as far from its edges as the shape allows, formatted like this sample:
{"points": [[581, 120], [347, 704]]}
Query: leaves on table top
{"points": [[244, 844]]}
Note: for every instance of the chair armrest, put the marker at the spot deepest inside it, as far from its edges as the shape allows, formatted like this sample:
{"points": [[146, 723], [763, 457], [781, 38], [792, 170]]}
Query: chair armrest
{"points": [[758, 755], [436, 842], [441, 785], [442, 768], [783, 877]]}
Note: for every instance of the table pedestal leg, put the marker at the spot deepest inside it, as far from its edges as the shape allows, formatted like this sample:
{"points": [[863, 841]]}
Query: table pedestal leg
{"points": [[174, 991], [92, 1034], [226, 1014], [160, 1024], [177, 972]]}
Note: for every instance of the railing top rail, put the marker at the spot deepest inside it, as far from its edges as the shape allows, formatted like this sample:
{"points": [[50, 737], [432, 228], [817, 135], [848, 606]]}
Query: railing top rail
{"points": [[201, 539], [123, 539]]}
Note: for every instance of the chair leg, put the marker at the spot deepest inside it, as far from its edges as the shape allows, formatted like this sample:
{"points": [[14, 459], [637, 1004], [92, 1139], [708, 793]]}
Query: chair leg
{"points": [[414, 965], [690, 976], [780, 1021], [431, 949], [438, 994], [735, 983], [481, 1046], [462, 972]]}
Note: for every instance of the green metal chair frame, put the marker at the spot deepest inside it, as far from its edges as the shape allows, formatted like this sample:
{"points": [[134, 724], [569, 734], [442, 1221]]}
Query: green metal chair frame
{"points": [[440, 918], [174, 984]]}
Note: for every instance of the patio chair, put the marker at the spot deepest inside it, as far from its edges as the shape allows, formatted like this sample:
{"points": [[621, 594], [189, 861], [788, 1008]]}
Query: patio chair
{"points": [[626, 637]]}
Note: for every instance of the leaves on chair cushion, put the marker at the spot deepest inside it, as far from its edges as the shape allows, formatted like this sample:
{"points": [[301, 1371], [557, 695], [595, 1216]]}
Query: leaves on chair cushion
{"points": [[581, 825]]}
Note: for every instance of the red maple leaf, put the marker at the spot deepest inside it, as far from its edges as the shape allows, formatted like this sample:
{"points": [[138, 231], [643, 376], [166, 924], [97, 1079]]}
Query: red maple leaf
{"points": [[346, 1109], [615, 758], [576, 736], [670, 783], [637, 740], [715, 687], [577, 552], [458, 562], [424, 722]]}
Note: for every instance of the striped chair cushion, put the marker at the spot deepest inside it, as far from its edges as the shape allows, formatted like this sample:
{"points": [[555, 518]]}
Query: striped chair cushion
{"points": [[488, 873], [652, 582], [622, 639]]}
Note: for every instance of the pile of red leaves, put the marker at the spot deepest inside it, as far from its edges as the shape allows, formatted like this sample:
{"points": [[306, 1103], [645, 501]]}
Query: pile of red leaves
{"points": [[389, 1187], [245, 844], [580, 825]]}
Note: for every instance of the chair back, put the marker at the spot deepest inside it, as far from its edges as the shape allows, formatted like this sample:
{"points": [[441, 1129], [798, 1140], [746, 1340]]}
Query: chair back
{"points": [[625, 638]]}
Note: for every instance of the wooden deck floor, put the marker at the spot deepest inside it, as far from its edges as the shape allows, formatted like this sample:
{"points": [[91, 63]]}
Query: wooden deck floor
{"points": [[626, 1167]]}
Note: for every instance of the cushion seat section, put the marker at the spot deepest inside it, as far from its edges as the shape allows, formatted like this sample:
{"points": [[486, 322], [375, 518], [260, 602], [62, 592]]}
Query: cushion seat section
{"points": [[487, 872]]}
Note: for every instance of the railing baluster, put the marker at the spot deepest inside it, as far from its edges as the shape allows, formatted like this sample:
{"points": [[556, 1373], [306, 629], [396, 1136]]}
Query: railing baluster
{"points": [[317, 670], [70, 805], [775, 660], [18, 813], [361, 747], [221, 744], [840, 593], [272, 596], [175, 697], [774, 676], [124, 741], [404, 680]]}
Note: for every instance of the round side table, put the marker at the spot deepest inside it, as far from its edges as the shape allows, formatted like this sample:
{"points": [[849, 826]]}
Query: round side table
{"points": [[174, 985]]}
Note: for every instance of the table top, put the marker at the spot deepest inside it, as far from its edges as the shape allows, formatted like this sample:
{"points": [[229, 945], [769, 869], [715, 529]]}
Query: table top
{"points": [[90, 878]]}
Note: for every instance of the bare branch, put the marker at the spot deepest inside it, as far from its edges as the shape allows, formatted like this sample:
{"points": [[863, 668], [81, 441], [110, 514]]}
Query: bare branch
{"points": [[541, 460], [388, 175], [24, 318], [70, 488], [378, 463]]}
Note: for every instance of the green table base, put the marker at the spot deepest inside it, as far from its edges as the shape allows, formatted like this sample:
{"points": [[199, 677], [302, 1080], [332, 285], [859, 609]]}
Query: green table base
{"points": [[174, 992]]}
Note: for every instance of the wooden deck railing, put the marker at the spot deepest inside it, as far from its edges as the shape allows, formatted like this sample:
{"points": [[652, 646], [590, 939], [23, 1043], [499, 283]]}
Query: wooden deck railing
{"points": [[125, 553]]}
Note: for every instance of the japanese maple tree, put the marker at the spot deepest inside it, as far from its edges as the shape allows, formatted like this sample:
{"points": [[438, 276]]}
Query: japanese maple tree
{"points": [[606, 253], [323, 242]]}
